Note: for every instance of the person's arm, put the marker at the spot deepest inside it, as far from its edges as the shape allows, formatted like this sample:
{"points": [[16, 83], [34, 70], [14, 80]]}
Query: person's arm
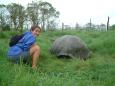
{"points": [[29, 42]]}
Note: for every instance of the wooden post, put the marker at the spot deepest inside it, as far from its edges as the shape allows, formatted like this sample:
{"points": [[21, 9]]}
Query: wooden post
{"points": [[108, 23], [90, 23], [62, 25]]}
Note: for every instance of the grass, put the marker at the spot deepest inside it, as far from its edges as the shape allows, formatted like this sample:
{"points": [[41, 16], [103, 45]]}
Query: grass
{"points": [[99, 70]]}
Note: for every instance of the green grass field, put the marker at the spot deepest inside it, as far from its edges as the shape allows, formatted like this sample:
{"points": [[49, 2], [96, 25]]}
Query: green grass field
{"points": [[98, 70]]}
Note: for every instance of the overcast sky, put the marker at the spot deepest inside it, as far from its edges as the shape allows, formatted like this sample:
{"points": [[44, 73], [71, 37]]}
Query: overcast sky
{"points": [[72, 11]]}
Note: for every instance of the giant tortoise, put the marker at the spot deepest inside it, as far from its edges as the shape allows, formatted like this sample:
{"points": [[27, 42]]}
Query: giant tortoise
{"points": [[70, 46]]}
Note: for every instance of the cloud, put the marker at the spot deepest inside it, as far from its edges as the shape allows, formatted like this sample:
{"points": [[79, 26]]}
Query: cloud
{"points": [[82, 10]]}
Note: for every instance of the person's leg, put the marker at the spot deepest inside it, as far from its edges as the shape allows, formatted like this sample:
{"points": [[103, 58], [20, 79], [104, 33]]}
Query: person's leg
{"points": [[34, 52]]}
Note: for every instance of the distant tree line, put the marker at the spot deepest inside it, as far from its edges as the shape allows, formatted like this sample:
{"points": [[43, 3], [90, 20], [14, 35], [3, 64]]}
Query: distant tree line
{"points": [[90, 26], [17, 17]]}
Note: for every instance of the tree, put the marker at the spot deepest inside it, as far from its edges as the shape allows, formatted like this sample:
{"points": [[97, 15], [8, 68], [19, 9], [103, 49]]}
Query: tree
{"points": [[21, 16], [112, 27], [88, 25], [48, 13], [77, 26], [2, 17], [12, 8], [17, 13], [52, 25], [102, 27], [51, 19], [41, 13], [62, 26], [32, 13]]}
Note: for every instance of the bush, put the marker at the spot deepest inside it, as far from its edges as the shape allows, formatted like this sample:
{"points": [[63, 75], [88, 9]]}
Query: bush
{"points": [[6, 28], [112, 27], [2, 35]]}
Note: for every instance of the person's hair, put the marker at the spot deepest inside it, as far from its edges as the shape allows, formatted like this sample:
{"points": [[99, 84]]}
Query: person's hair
{"points": [[34, 27]]}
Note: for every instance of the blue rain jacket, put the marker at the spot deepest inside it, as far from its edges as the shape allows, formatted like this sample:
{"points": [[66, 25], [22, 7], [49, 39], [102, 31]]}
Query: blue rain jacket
{"points": [[24, 44]]}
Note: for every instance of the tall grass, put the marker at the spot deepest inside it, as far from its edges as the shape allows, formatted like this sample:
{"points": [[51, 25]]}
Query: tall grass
{"points": [[99, 70]]}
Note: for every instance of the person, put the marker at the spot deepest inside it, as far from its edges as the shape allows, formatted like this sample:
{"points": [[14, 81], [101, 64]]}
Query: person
{"points": [[26, 48]]}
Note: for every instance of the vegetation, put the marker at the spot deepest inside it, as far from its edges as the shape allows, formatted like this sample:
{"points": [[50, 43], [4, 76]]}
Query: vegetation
{"points": [[36, 13], [112, 27], [17, 17], [98, 70]]}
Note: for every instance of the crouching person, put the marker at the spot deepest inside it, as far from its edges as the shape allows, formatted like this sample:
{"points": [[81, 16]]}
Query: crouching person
{"points": [[26, 48]]}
